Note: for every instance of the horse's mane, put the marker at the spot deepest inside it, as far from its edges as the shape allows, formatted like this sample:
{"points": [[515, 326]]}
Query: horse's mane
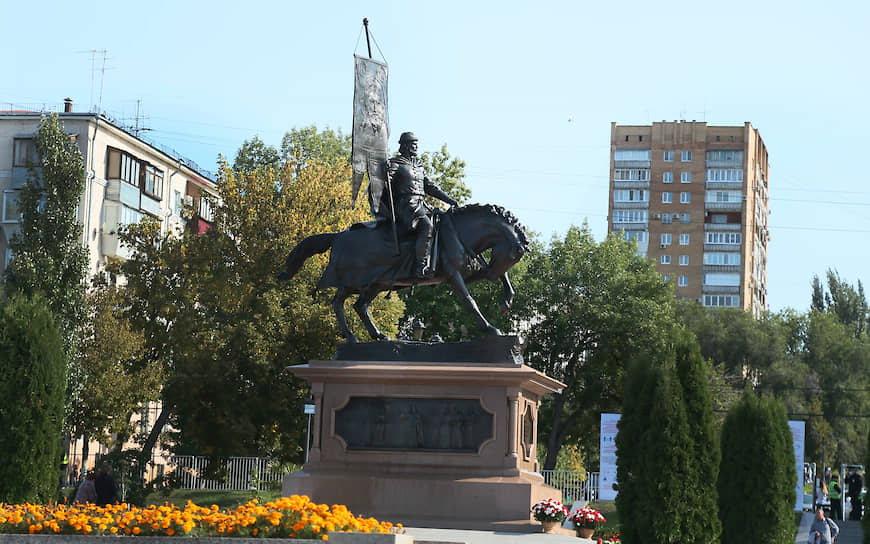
{"points": [[502, 212]]}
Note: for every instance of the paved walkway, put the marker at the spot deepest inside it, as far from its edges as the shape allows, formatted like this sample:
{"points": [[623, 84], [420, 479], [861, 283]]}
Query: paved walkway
{"points": [[452, 536], [850, 531]]}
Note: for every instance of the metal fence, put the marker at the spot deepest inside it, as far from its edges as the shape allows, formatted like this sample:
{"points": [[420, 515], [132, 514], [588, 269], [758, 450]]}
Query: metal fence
{"points": [[240, 473], [575, 486]]}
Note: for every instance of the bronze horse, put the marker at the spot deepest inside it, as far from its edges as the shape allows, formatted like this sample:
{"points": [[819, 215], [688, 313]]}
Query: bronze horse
{"points": [[364, 261]]}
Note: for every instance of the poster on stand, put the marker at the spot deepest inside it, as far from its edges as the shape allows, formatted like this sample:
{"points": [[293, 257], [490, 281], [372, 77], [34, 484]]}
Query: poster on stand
{"points": [[797, 436], [607, 466]]}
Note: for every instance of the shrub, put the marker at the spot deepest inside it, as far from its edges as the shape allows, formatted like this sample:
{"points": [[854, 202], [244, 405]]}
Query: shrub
{"points": [[757, 473], [32, 386]]}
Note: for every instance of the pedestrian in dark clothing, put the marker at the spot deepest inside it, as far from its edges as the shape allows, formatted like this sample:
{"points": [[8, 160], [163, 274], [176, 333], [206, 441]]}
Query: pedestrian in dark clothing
{"points": [[107, 491], [855, 484]]}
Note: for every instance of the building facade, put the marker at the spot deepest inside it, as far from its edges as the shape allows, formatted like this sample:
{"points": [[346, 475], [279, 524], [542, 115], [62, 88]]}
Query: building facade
{"points": [[126, 178], [695, 198]]}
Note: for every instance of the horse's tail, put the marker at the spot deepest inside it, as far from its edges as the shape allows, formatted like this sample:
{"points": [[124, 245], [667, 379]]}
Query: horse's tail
{"points": [[303, 250]]}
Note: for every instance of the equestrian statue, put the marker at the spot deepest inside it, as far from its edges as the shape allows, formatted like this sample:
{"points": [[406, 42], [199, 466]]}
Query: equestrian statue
{"points": [[409, 243]]}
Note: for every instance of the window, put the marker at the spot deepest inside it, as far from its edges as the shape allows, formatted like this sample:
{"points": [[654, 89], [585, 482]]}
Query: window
{"points": [[665, 259], [10, 207], [684, 218], [123, 166], [685, 198], [668, 156], [722, 258], [667, 218], [24, 152], [686, 156], [667, 177], [729, 238], [640, 138], [685, 177], [639, 236], [667, 197], [631, 155], [177, 203], [730, 301], [684, 260], [736, 156], [666, 277], [684, 239], [630, 195], [683, 281], [631, 174], [206, 211], [666, 239], [724, 196], [129, 216], [719, 219], [724, 174], [619, 216], [722, 279], [153, 181]]}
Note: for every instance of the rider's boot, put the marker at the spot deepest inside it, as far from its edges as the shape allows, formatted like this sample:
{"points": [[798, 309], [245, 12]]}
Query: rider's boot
{"points": [[424, 242]]}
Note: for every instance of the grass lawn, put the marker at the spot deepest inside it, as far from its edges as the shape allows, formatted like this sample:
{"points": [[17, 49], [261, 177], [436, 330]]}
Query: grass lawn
{"points": [[204, 497], [608, 510]]}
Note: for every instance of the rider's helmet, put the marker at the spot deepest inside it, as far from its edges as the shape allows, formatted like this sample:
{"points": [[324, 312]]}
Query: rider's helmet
{"points": [[407, 137]]}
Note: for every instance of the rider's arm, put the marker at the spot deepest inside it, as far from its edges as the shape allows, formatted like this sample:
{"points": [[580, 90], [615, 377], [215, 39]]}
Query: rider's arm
{"points": [[432, 189]]}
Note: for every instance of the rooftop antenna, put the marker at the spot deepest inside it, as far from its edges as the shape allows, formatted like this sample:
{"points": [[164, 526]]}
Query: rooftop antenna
{"points": [[93, 53], [136, 129]]}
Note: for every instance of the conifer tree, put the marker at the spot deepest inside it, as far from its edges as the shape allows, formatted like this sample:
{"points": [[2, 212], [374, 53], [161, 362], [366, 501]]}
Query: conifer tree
{"points": [[31, 401], [757, 473]]}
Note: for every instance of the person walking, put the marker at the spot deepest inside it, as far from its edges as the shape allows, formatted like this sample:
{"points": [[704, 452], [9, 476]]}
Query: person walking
{"points": [[835, 494], [823, 530], [86, 491]]}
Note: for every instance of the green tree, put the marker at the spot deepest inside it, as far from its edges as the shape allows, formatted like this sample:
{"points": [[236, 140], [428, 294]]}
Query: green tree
{"points": [[254, 154], [654, 457], [585, 309], [117, 380], [843, 300], [756, 487], [32, 387], [48, 256], [225, 330]]}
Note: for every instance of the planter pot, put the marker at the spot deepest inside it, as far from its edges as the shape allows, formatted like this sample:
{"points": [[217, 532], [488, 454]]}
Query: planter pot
{"points": [[550, 526], [583, 532]]}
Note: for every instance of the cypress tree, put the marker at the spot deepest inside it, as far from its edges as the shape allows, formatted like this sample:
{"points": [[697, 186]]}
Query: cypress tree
{"points": [[757, 473], [32, 388], [866, 519], [702, 520], [654, 457]]}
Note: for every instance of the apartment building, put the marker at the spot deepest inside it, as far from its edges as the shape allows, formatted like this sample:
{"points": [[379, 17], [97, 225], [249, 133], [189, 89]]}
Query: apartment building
{"points": [[695, 199], [126, 178]]}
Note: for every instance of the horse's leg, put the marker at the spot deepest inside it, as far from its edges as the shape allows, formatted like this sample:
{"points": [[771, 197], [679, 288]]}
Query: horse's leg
{"points": [[362, 309], [341, 295], [508, 291], [458, 285]]}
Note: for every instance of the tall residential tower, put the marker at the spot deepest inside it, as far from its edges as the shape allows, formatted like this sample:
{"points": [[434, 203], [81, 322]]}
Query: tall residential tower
{"points": [[695, 199]]}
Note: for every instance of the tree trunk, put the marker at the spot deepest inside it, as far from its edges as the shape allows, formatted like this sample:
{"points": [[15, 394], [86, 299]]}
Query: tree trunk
{"points": [[153, 435], [553, 442], [85, 452]]}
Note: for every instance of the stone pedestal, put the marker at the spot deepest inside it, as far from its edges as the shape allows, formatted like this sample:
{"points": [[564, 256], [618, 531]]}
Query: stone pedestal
{"points": [[427, 443]]}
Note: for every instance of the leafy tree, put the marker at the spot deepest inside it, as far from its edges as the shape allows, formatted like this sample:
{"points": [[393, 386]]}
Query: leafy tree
{"points": [[254, 154], [756, 487], [843, 300], [32, 388], [116, 380], [48, 257], [223, 327], [586, 308]]}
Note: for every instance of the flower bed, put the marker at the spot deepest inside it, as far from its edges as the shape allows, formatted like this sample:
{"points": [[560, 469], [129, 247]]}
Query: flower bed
{"points": [[288, 517]]}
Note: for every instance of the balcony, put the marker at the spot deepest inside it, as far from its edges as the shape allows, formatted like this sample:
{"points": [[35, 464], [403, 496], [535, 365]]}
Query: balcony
{"points": [[731, 206], [720, 289], [721, 227], [733, 163], [726, 185], [626, 184], [631, 164], [633, 205], [721, 268], [122, 192]]}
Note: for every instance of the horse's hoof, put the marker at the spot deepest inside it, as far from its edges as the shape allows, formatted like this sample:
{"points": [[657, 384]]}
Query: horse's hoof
{"points": [[493, 331]]}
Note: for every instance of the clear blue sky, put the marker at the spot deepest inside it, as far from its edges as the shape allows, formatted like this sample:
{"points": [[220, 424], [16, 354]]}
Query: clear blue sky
{"points": [[497, 82]]}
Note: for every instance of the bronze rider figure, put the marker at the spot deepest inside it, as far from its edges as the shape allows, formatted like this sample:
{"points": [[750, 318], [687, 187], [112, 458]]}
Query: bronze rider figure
{"points": [[410, 185]]}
